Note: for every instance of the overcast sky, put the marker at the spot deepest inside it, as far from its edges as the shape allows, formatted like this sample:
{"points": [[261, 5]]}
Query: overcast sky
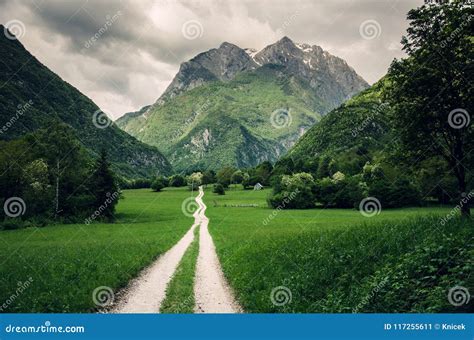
{"points": [[123, 53]]}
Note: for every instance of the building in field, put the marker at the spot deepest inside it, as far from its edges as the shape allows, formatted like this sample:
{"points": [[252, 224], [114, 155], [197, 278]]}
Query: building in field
{"points": [[258, 186]]}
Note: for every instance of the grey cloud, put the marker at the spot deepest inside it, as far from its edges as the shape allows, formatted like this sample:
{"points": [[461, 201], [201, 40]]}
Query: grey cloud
{"points": [[135, 58]]}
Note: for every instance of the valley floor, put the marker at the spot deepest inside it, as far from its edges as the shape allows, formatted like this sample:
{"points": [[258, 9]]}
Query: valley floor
{"points": [[316, 260]]}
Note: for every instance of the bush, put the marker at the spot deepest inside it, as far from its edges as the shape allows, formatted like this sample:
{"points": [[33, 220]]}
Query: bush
{"points": [[177, 181], [218, 189], [158, 184], [339, 192], [400, 193], [293, 192]]}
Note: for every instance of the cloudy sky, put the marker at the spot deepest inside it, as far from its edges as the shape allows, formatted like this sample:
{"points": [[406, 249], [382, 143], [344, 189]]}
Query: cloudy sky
{"points": [[123, 53]]}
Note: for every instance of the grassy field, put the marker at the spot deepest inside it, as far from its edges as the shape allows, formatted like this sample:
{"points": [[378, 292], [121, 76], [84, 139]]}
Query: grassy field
{"points": [[277, 261], [332, 260], [60, 266]]}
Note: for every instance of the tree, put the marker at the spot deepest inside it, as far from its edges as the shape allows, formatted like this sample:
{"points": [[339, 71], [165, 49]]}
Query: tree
{"points": [[224, 176], [264, 170], [237, 177], [323, 167], [218, 189], [194, 180], [177, 181], [431, 90], [208, 177], [159, 183], [104, 187]]}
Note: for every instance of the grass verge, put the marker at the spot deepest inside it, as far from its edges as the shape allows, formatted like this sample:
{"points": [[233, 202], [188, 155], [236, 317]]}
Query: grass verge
{"points": [[180, 291]]}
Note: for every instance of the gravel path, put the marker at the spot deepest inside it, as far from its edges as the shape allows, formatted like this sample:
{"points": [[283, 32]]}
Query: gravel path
{"points": [[146, 293], [211, 291]]}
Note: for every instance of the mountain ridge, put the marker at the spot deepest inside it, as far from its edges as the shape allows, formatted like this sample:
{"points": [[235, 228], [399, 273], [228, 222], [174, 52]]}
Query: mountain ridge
{"points": [[25, 79], [294, 82]]}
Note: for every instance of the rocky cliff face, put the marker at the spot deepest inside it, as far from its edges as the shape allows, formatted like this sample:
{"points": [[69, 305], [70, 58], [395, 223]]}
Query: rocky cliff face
{"points": [[334, 80], [331, 76]]}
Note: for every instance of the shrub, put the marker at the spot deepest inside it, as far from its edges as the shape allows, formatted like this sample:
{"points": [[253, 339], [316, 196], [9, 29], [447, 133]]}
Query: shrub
{"points": [[158, 184], [339, 192], [218, 189], [177, 181], [293, 192]]}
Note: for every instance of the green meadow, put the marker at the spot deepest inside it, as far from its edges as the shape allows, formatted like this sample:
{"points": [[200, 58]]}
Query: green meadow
{"points": [[337, 260], [318, 260], [67, 262]]}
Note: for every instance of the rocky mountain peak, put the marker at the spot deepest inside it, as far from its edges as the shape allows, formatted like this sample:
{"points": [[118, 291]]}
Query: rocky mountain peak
{"points": [[324, 72]]}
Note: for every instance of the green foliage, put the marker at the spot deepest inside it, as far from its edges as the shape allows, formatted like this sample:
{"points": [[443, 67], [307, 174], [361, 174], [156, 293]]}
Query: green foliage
{"points": [[177, 181], [294, 192], [159, 183], [431, 92], [224, 176], [342, 192], [33, 98], [208, 177], [229, 123], [104, 187], [237, 177], [218, 189]]}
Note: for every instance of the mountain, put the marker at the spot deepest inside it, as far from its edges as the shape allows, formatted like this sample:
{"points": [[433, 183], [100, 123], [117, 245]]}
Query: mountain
{"points": [[239, 107], [351, 135], [33, 97]]}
